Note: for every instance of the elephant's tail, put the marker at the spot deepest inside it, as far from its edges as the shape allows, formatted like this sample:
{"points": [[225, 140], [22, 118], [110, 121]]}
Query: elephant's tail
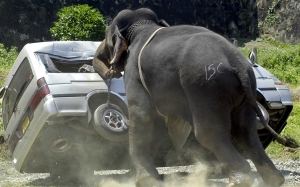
{"points": [[244, 77]]}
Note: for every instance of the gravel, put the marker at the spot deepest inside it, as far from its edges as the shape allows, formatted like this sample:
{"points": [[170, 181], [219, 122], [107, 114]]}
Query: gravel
{"points": [[182, 176]]}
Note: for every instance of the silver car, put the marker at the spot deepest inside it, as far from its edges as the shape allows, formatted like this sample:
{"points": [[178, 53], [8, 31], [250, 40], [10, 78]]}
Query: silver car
{"points": [[56, 109], [62, 118]]}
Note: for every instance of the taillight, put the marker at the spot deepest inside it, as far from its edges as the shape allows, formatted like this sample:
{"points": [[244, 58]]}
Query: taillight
{"points": [[42, 91]]}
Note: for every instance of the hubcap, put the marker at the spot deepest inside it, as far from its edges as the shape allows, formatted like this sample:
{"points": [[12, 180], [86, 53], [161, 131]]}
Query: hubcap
{"points": [[114, 120]]}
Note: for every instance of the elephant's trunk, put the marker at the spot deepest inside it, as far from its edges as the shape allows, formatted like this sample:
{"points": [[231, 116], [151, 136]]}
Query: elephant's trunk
{"points": [[101, 62]]}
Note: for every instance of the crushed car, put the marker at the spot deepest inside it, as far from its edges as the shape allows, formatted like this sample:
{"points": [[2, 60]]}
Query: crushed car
{"points": [[61, 117]]}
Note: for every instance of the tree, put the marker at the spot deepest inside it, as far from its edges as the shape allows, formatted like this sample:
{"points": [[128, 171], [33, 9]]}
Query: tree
{"points": [[79, 22]]}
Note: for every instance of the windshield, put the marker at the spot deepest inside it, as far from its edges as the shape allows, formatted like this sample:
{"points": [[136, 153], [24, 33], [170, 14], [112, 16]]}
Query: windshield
{"points": [[55, 64], [67, 56]]}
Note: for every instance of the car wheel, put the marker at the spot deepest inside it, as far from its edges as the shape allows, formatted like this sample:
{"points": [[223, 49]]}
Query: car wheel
{"points": [[265, 114], [111, 123]]}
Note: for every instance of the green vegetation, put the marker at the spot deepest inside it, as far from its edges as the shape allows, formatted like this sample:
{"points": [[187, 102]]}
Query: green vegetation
{"points": [[7, 58], [282, 60], [276, 150], [79, 22], [271, 18]]}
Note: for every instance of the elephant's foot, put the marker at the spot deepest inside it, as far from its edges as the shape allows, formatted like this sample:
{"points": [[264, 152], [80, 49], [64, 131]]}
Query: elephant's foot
{"points": [[273, 178], [239, 179], [148, 182]]}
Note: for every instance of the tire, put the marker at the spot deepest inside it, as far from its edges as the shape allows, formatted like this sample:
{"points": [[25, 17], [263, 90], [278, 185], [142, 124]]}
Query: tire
{"points": [[111, 123], [265, 115]]}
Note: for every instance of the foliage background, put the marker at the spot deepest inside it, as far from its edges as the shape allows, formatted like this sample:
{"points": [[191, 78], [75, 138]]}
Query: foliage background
{"points": [[27, 21], [79, 23], [7, 58], [282, 60], [276, 150]]}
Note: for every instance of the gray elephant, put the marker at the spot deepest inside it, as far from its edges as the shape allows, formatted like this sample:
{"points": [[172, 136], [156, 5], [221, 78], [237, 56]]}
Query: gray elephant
{"points": [[192, 76]]}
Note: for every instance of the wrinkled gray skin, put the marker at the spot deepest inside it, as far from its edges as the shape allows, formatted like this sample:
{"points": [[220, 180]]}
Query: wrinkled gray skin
{"points": [[194, 74]]}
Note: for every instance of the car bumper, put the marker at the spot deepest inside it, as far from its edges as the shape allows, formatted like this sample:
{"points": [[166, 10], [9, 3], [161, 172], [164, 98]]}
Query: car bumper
{"points": [[277, 101], [44, 111]]}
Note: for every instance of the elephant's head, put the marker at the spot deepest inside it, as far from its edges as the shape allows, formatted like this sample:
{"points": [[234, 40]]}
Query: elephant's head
{"points": [[112, 52]]}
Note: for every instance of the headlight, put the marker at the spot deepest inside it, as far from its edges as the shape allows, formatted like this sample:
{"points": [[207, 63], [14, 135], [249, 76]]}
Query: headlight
{"points": [[275, 105]]}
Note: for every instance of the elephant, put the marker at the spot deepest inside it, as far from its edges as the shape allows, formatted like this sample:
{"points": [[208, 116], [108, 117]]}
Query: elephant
{"points": [[192, 74]]}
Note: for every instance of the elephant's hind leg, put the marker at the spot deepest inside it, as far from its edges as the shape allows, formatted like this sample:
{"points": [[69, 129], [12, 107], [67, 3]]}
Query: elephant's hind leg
{"points": [[212, 130], [246, 135]]}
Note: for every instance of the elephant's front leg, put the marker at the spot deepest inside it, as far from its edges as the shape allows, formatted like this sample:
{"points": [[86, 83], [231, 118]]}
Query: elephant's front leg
{"points": [[140, 136]]}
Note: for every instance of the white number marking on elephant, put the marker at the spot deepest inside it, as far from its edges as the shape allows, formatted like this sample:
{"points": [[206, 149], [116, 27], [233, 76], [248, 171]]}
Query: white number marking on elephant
{"points": [[218, 67], [211, 71], [209, 68]]}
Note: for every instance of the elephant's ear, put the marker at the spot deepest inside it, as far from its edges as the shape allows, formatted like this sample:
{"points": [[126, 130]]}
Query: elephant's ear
{"points": [[119, 47], [163, 23]]}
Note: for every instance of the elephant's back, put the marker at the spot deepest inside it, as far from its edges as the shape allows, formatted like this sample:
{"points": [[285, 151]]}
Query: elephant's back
{"points": [[189, 50], [192, 41], [185, 59]]}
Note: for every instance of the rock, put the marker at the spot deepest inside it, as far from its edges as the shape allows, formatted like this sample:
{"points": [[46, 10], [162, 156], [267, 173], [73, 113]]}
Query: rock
{"points": [[285, 20]]}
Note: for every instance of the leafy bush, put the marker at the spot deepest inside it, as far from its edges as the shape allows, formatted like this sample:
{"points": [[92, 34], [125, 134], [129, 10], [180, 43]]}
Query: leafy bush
{"points": [[7, 58], [79, 22], [271, 18], [282, 60]]}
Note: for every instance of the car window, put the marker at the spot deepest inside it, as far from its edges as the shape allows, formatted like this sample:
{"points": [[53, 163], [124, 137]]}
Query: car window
{"points": [[56, 64], [70, 66], [15, 90]]}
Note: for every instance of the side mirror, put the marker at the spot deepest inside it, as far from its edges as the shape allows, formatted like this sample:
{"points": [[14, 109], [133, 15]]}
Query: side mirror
{"points": [[253, 56], [234, 42]]}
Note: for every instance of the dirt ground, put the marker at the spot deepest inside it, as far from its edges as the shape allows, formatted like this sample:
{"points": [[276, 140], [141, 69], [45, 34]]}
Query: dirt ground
{"points": [[182, 176]]}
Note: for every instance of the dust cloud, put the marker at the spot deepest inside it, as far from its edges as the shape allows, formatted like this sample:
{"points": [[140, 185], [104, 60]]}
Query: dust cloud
{"points": [[112, 183], [181, 176]]}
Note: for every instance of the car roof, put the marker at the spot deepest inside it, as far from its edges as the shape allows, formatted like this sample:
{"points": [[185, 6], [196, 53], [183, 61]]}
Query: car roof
{"points": [[73, 50]]}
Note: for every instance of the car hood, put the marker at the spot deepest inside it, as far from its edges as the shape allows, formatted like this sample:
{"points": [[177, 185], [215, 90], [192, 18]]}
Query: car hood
{"points": [[262, 73]]}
